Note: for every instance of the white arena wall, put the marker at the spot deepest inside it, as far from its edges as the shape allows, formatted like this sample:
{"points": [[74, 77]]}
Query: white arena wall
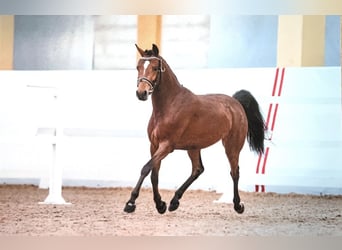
{"points": [[105, 143]]}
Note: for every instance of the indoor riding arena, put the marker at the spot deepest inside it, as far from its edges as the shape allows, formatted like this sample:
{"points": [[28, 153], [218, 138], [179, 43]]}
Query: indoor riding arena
{"points": [[75, 145]]}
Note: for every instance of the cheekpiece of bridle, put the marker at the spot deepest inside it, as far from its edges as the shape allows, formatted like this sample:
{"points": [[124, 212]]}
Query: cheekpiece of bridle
{"points": [[152, 84]]}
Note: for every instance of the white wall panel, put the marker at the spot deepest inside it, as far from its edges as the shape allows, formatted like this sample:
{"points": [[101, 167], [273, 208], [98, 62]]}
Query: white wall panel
{"points": [[105, 141]]}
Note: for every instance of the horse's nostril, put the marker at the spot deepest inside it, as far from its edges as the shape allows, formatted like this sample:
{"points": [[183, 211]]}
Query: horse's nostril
{"points": [[142, 95]]}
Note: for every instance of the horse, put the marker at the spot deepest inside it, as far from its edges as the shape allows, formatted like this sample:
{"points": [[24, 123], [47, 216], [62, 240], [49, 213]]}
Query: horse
{"points": [[182, 120]]}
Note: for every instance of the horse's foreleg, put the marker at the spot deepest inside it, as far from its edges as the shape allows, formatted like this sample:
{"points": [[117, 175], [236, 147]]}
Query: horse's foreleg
{"points": [[163, 150], [160, 205], [197, 170], [130, 205]]}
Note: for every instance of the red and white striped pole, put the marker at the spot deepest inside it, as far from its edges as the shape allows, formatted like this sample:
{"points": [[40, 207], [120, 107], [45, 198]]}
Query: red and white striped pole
{"points": [[270, 124]]}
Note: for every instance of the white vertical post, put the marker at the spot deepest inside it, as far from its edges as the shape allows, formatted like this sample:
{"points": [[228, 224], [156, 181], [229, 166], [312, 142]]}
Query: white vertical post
{"points": [[56, 167], [228, 194]]}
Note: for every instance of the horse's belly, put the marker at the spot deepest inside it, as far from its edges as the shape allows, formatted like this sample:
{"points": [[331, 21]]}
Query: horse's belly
{"points": [[198, 140]]}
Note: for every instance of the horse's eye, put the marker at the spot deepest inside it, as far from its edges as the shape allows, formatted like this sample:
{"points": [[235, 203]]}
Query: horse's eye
{"points": [[155, 68]]}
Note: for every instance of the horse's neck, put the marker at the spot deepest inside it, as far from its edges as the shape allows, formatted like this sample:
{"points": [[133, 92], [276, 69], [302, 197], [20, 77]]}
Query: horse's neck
{"points": [[168, 89]]}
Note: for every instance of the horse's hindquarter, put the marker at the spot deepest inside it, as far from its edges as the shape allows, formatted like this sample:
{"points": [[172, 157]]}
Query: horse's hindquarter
{"points": [[223, 114]]}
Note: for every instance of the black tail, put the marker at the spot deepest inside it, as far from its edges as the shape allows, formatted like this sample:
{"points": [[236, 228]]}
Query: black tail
{"points": [[256, 123]]}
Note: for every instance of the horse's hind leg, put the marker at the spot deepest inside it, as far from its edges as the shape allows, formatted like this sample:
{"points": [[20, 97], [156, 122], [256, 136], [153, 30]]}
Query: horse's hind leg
{"points": [[197, 170], [233, 151]]}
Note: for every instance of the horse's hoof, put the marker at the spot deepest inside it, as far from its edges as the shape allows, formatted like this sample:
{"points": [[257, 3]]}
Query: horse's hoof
{"points": [[130, 207], [174, 204], [162, 208], [240, 208]]}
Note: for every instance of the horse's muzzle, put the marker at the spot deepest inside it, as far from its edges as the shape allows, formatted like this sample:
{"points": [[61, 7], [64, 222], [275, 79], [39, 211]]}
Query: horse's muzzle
{"points": [[142, 95]]}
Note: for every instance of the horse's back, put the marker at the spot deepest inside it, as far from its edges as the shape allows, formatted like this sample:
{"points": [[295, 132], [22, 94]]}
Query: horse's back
{"points": [[225, 104]]}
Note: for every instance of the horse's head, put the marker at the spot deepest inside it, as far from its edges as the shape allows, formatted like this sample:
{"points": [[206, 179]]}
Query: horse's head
{"points": [[150, 67]]}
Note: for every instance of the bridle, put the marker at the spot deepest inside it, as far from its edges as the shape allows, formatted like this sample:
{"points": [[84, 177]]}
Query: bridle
{"points": [[152, 84]]}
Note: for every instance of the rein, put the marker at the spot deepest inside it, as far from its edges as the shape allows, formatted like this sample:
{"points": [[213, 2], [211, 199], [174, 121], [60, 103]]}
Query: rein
{"points": [[152, 84]]}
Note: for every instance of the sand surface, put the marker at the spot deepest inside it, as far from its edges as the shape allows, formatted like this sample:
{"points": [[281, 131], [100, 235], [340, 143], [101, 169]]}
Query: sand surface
{"points": [[99, 212]]}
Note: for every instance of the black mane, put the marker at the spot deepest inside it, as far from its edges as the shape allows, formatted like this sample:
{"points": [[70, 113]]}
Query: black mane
{"points": [[148, 52]]}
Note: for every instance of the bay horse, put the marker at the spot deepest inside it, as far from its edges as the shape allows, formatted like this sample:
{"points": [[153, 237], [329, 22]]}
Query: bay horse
{"points": [[183, 120]]}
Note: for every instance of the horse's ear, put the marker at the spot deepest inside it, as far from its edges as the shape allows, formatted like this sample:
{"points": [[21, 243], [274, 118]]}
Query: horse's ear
{"points": [[155, 50], [141, 52]]}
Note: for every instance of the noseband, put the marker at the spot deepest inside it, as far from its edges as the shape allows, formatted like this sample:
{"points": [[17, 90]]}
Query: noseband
{"points": [[152, 84]]}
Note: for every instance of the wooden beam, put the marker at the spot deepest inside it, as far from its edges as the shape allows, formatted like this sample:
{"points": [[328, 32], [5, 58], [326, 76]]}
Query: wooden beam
{"points": [[149, 31], [289, 41], [6, 42], [313, 46], [301, 40]]}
